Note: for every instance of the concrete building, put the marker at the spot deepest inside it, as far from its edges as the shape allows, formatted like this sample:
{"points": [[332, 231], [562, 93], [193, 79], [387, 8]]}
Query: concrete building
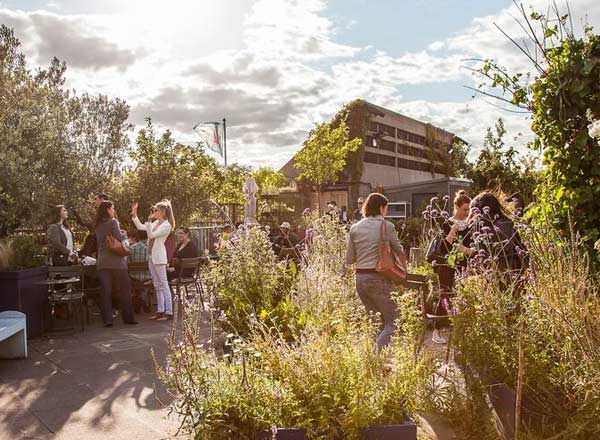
{"points": [[397, 152]]}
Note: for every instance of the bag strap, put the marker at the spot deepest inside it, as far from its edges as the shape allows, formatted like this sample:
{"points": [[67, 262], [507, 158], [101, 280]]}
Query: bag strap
{"points": [[381, 230]]}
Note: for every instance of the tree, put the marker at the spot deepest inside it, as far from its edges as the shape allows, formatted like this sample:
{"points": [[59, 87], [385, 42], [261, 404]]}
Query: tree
{"points": [[166, 169], [501, 167], [563, 98], [56, 147], [324, 154], [268, 179]]}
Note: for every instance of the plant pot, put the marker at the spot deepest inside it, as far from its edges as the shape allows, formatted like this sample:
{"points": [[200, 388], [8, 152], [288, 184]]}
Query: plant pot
{"points": [[405, 431], [284, 434], [503, 401], [19, 291]]}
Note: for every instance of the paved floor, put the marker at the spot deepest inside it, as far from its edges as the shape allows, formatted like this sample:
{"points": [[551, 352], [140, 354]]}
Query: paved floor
{"points": [[99, 384]]}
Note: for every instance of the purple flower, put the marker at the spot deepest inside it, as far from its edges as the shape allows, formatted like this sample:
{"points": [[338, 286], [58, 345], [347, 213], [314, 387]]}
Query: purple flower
{"points": [[434, 263], [520, 251], [486, 230], [475, 210], [435, 213], [433, 200], [486, 210], [446, 198], [445, 214], [428, 208]]}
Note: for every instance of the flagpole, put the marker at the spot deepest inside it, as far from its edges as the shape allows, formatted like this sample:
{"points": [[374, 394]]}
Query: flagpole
{"points": [[225, 141]]}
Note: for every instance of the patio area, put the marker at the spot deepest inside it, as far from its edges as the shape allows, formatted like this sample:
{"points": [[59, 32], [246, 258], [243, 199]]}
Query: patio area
{"points": [[89, 385]]}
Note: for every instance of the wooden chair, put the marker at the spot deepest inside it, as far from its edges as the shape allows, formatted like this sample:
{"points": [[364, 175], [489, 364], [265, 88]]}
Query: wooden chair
{"points": [[71, 293], [188, 274]]}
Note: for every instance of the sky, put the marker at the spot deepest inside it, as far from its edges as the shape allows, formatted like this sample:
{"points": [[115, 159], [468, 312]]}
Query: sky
{"points": [[274, 68]]}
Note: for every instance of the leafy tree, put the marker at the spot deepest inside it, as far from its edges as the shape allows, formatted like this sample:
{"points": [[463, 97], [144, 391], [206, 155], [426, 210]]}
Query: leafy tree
{"points": [[230, 185], [268, 179], [562, 99], [164, 168], [56, 147], [500, 167], [324, 154]]}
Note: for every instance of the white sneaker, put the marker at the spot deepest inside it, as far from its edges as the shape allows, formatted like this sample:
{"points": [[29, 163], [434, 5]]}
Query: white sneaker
{"points": [[436, 338]]}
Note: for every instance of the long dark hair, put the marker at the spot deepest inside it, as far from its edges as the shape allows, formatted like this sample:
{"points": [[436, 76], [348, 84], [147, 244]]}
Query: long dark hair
{"points": [[55, 215], [102, 213], [488, 201]]}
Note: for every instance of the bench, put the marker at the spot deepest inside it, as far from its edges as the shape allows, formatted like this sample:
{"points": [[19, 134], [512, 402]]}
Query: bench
{"points": [[13, 335]]}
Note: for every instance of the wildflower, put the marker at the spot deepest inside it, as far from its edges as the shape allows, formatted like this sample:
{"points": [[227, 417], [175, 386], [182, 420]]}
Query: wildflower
{"points": [[486, 230], [263, 314], [428, 208], [435, 213], [433, 200], [486, 210], [475, 210], [445, 214], [594, 130], [597, 245], [446, 198]]}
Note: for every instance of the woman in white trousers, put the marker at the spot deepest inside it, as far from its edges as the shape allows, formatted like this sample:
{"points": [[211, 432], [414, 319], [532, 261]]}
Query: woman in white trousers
{"points": [[158, 227]]}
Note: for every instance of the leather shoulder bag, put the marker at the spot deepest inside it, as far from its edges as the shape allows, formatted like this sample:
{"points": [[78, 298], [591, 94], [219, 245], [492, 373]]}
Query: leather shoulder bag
{"points": [[388, 263], [115, 246]]}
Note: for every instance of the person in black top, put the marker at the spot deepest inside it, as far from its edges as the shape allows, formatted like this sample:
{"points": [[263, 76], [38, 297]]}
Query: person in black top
{"points": [[357, 216], [185, 249]]}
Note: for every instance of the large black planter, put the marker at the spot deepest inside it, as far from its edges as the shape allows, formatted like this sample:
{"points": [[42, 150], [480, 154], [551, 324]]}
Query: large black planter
{"points": [[19, 291], [503, 401], [405, 431]]}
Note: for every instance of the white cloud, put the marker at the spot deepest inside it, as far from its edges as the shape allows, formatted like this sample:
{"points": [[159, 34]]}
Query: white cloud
{"points": [[273, 71]]}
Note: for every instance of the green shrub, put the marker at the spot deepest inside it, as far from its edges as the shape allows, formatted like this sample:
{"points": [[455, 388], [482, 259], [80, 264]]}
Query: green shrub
{"points": [[21, 252], [250, 283], [558, 302]]}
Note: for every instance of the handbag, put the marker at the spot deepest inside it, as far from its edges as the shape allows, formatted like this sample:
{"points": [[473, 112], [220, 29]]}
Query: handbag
{"points": [[115, 246], [388, 264]]}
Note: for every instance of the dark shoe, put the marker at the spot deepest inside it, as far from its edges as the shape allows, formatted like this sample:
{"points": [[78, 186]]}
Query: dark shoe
{"points": [[165, 318], [108, 324], [131, 322]]}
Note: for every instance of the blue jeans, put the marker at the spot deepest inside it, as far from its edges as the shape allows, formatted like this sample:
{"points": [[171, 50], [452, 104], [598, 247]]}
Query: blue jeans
{"points": [[115, 280], [374, 290]]}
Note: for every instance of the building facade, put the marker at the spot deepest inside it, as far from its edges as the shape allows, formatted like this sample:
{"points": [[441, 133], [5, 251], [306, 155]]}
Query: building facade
{"points": [[397, 151]]}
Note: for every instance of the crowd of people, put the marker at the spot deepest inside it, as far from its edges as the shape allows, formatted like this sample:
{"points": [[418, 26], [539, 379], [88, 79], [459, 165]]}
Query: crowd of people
{"points": [[111, 249], [458, 239]]}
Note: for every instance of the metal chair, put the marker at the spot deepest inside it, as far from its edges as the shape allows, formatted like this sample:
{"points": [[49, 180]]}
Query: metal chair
{"points": [[66, 285], [188, 274], [137, 284]]}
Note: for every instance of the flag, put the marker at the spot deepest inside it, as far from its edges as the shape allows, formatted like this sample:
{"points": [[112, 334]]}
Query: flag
{"points": [[209, 132]]}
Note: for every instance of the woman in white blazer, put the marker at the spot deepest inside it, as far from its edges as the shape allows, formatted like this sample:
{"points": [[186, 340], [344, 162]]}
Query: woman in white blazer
{"points": [[158, 227]]}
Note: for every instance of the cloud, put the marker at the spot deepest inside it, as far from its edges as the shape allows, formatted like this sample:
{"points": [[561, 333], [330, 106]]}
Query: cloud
{"points": [[73, 39]]}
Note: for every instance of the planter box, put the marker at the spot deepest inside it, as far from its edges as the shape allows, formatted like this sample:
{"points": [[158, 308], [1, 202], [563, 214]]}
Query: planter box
{"points": [[18, 291], [285, 434], [405, 431], [503, 399]]}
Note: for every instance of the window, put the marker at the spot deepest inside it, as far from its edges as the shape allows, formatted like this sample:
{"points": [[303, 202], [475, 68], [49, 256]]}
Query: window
{"points": [[380, 159], [411, 137], [386, 145], [414, 165]]}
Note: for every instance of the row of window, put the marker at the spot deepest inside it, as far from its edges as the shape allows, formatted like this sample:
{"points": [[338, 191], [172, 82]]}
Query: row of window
{"points": [[387, 145], [398, 133], [399, 162]]}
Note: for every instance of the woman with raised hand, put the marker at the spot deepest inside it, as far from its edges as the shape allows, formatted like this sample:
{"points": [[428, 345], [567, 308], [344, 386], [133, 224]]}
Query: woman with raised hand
{"points": [[112, 268], [158, 227]]}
